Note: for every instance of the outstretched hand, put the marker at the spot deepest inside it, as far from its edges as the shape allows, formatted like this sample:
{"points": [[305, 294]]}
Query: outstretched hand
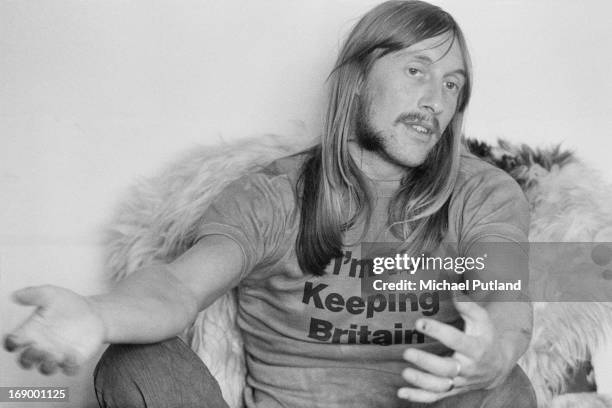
{"points": [[63, 332], [479, 360]]}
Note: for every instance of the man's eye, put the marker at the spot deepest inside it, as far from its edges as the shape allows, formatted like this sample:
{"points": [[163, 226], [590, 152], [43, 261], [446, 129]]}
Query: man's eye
{"points": [[451, 86], [413, 71]]}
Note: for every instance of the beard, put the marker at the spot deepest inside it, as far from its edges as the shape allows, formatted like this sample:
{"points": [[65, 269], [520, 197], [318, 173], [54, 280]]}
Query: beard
{"points": [[367, 138]]}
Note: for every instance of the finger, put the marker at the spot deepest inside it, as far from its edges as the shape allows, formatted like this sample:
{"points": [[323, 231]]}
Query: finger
{"points": [[34, 356], [69, 365], [21, 336], [417, 395], [12, 343], [427, 381], [470, 310], [448, 335], [32, 296], [30, 357], [434, 364], [48, 367]]}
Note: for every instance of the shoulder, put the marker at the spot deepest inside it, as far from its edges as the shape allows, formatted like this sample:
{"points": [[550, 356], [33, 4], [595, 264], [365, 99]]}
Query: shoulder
{"points": [[274, 180], [258, 211], [265, 189], [486, 197], [473, 169], [480, 180]]}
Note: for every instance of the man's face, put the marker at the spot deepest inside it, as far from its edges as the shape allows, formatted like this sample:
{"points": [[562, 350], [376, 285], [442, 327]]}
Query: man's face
{"points": [[410, 98]]}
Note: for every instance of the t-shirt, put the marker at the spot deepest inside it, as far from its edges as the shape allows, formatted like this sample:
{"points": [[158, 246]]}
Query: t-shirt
{"points": [[313, 341]]}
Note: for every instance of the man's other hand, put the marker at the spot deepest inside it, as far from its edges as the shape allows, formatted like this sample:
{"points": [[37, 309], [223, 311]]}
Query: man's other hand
{"points": [[479, 360]]}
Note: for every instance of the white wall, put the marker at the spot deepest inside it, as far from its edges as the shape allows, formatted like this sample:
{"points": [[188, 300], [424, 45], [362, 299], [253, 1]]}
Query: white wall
{"points": [[94, 94]]}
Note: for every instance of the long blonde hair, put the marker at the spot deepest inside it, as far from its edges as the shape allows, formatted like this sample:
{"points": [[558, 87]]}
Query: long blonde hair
{"points": [[418, 212]]}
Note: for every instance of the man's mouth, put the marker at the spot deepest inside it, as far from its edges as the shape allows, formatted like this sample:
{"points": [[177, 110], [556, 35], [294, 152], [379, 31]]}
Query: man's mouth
{"points": [[425, 127], [421, 129]]}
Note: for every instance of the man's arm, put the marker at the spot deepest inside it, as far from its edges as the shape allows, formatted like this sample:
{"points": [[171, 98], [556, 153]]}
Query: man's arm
{"points": [[152, 304], [158, 302]]}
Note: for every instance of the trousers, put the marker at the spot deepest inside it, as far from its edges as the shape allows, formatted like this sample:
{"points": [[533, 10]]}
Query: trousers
{"points": [[169, 374]]}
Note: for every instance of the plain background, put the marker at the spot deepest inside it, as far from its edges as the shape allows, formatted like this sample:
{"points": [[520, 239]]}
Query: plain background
{"points": [[94, 95]]}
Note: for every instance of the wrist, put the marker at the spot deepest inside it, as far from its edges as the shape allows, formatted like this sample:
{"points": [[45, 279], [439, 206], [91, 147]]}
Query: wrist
{"points": [[97, 306], [509, 354], [513, 334]]}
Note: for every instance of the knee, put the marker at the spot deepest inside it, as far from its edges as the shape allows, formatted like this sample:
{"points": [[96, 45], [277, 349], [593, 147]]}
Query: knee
{"points": [[126, 374], [116, 377], [168, 373], [123, 376]]}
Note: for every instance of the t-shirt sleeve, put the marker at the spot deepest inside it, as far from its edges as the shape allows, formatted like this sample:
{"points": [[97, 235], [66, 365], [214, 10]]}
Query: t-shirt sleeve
{"points": [[253, 211], [493, 221], [490, 206]]}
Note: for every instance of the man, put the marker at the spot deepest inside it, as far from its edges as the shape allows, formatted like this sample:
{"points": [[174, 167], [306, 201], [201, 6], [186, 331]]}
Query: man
{"points": [[389, 168]]}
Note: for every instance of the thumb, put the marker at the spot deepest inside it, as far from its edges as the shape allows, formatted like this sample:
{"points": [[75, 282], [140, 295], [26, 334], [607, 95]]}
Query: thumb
{"points": [[469, 310], [33, 295]]}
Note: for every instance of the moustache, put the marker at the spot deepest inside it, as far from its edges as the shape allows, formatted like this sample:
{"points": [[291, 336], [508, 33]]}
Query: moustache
{"points": [[417, 118]]}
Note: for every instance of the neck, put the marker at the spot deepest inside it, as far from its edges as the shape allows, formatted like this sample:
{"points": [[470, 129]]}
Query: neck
{"points": [[373, 165]]}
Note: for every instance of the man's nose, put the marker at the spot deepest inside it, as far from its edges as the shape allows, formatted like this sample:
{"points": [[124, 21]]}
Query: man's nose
{"points": [[431, 98]]}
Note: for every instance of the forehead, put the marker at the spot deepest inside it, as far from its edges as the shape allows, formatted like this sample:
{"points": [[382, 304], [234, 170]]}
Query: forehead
{"points": [[435, 50]]}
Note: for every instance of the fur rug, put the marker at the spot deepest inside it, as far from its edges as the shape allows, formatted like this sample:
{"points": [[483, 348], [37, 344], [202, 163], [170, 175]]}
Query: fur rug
{"points": [[157, 221], [569, 203]]}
